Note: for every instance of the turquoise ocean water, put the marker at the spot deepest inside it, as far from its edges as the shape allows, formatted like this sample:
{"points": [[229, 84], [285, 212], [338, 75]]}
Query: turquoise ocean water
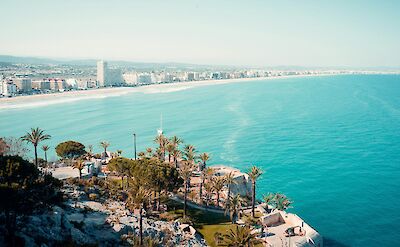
{"points": [[331, 143]]}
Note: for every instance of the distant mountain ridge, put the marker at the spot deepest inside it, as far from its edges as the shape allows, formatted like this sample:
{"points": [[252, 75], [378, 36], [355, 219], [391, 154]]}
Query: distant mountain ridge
{"points": [[8, 59], [92, 62]]}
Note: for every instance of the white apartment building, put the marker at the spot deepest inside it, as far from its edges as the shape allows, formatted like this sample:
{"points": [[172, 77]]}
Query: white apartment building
{"points": [[144, 79], [41, 84], [24, 85], [192, 76], [107, 76], [130, 78], [114, 77], [7, 88], [102, 73]]}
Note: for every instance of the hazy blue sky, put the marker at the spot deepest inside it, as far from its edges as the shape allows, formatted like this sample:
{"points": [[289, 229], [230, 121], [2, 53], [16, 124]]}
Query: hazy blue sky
{"points": [[345, 33]]}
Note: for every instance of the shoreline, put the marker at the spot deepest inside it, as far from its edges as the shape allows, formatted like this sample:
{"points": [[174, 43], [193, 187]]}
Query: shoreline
{"points": [[37, 100]]}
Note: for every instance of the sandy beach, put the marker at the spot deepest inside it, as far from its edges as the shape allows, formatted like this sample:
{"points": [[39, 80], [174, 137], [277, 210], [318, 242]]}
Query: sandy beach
{"points": [[70, 96]]}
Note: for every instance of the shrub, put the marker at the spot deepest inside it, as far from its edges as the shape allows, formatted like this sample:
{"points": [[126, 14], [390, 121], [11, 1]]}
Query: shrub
{"points": [[93, 196]]}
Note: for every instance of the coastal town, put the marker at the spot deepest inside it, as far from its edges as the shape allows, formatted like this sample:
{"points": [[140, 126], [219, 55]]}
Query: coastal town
{"points": [[35, 79], [167, 195]]}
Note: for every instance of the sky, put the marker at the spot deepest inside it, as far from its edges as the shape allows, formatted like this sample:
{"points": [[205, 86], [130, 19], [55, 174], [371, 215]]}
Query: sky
{"points": [[257, 33]]}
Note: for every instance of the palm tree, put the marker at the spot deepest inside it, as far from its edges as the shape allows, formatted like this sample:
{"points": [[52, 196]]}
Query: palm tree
{"points": [[205, 174], [45, 148], [186, 173], [90, 150], [170, 149], [159, 154], [269, 200], [189, 153], [240, 236], [254, 174], [79, 164], [217, 238], [208, 192], [189, 148], [176, 141], [149, 152], [137, 199], [204, 158], [282, 202], [105, 145], [234, 206], [35, 137], [229, 179], [162, 141], [176, 154], [218, 184]]}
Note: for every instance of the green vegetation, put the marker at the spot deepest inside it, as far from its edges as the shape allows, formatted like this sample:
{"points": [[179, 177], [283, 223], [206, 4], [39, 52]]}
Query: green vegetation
{"points": [[254, 174], [138, 199], [143, 184], [277, 201], [186, 173], [204, 157], [206, 222], [45, 148], [79, 164], [239, 236], [35, 137], [25, 189], [234, 205], [70, 149], [218, 183], [105, 145]]}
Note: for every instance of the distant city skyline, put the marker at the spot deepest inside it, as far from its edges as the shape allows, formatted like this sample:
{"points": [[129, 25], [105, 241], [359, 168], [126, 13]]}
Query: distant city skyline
{"points": [[252, 33]]}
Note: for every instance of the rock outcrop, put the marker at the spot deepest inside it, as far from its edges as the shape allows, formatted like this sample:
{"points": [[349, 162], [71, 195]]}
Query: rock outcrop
{"points": [[81, 222]]}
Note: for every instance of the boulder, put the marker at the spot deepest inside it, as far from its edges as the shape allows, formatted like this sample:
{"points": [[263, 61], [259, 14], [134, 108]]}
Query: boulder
{"points": [[127, 220], [80, 238], [56, 216], [77, 217]]}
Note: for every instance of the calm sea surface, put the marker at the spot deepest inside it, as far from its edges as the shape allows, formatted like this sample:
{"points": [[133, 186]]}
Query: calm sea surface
{"points": [[332, 144]]}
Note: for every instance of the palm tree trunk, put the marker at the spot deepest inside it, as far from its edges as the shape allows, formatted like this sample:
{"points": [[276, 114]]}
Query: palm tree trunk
{"points": [[140, 227], [253, 198], [45, 156], [80, 174], [201, 191], [36, 163], [158, 201], [229, 196], [169, 158], [185, 199], [217, 198]]}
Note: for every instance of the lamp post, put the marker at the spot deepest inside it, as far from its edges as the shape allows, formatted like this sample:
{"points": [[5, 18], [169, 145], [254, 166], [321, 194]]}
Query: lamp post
{"points": [[134, 143]]}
